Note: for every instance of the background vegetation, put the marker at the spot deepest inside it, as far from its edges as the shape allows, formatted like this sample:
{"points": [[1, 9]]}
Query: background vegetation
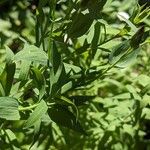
{"points": [[74, 75]]}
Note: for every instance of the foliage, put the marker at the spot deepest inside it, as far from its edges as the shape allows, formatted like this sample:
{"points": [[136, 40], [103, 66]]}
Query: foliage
{"points": [[74, 74]]}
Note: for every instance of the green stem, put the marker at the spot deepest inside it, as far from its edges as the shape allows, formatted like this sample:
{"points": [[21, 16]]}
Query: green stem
{"points": [[28, 107], [37, 31]]}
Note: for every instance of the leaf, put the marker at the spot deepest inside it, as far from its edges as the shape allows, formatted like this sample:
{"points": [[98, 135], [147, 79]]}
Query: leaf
{"points": [[55, 58], [7, 77], [143, 80], [37, 128], [66, 87], [104, 139], [129, 129], [146, 113], [69, 67], [123, 96], [65, 101], [123, 54], [62, 116], [2, 90], [9, 55], [24, 70], [11, 135], [143, 2], [137, 37], [33, 54], [129, 58], [58, 80], [80, 25], [39, 81], [95, 40], [61, 79], [141, 16], [118, 51], [145, 101], [9, 108], [37, 114]]}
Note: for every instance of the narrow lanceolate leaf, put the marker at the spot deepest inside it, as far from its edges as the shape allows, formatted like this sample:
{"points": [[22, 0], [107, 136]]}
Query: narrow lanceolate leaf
{"points": [[137, 37], [33, 54], [55, 58], [37, 114], [9, 108], [9, 55], [39, 81], [65, 101], [24, 70], [96, 37], [128, 59], [80, 25], [124, 54], [119, 51], [62, 116], [7, 77]]}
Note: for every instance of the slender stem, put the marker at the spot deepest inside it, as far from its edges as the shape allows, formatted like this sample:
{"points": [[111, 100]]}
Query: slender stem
{"points": [[50, 46], [37, 31], [28, 107], [52, 14], [42, 39]]}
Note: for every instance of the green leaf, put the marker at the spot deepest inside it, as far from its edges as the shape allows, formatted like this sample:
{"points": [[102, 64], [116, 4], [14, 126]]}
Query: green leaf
{"points": [[143, 80], [39, 81], [62, 116], [66, 87], [60, 79], [69, 67], [118, 51], [145, 101], [141, 16], [123, 54], [9, 55], [37, 114], [55, 58], [65, 101], [137, 37], [24, 70], [104, 139], [146, 113], [7, 77], [33, 54], [129, 58], [80, 25], [123, 96], [9, 108], [95, 40]]}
